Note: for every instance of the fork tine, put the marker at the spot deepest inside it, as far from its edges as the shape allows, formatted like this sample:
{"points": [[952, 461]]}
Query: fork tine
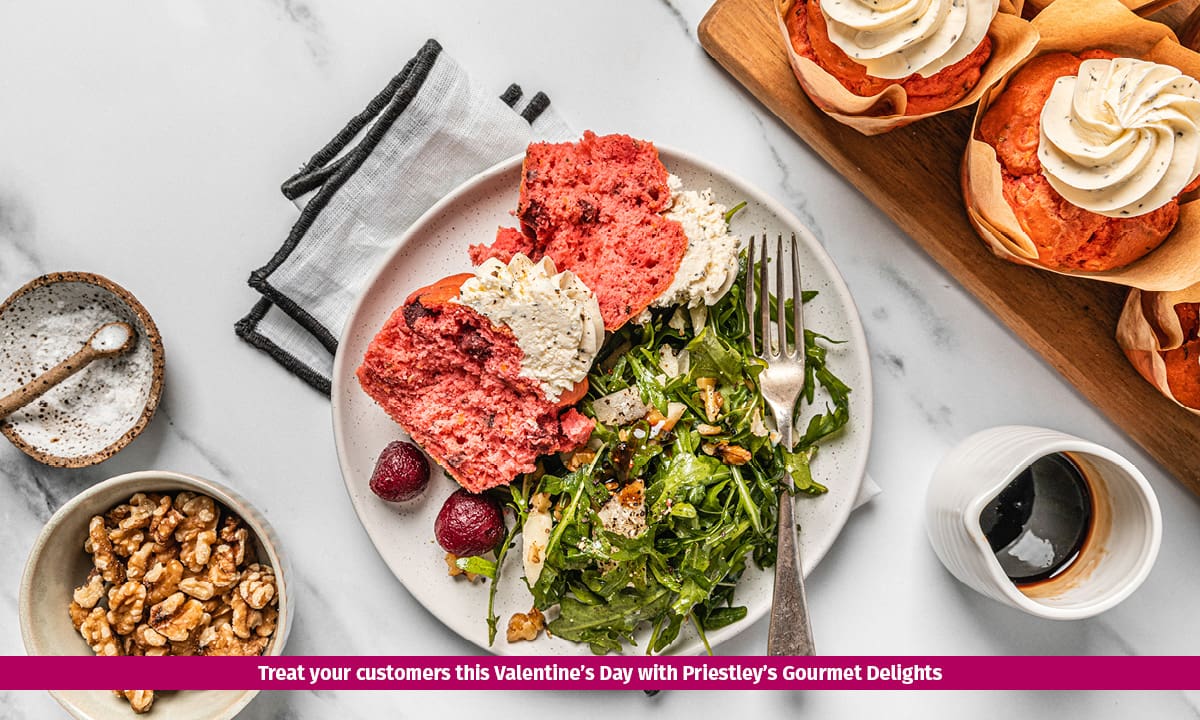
{"points": [[764, 300], [798, 305], [749, 294], [780, 297]]}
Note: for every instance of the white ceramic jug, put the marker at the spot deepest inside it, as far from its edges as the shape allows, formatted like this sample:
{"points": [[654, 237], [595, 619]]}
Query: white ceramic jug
{"points": [[1116, 557]]}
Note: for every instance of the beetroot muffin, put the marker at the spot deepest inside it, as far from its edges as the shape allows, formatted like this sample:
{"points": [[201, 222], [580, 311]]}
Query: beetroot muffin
{"points": [[1067, 237], [594, 208], [1183, 362], [808, 30], [451, 379]]}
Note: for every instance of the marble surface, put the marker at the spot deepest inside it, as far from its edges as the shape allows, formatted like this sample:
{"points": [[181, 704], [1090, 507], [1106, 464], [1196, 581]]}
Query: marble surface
{"points": [[146, 141]]}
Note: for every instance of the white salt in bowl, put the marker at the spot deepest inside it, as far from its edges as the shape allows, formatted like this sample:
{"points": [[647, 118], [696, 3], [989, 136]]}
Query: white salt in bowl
{"points": [[94, 414]]}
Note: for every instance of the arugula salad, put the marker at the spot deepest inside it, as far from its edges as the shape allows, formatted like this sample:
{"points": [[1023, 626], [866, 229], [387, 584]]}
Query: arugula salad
{"points": [[652, 523]]}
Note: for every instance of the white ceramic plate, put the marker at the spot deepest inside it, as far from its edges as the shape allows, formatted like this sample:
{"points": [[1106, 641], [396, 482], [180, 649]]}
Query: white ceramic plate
{"points": [[436, 246]]}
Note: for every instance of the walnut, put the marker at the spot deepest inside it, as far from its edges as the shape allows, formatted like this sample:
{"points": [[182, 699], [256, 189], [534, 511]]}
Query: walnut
{"points": [[78, 614], [97, 633], [163, 581], [706, 429], [453, 570], [197, 532], [90, 592], [240, 620], [139, 700], [222, 568], [190, 645], [141, 510], [257, 587], [734, 454], [526, 626], [139, 562], [103, 558], [126, 603], [579, 458], [126, 542], [176, 616], [224, 641], [237, 537], [264, 621], [146, 637], [165, 521], [197, 588]]}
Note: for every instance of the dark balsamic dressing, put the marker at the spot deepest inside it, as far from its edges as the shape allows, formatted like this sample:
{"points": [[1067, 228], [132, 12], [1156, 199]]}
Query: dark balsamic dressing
{"points": [[1037, 524]]}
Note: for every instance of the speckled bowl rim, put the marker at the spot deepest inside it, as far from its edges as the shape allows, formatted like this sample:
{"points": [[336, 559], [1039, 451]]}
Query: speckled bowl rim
{"points": [[147, 481], [157, 363]]}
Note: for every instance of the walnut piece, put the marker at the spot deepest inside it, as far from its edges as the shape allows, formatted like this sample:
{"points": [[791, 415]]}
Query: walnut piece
{"points": [[237, 537], [257, 587], [91, 592], [224, 641], [525, 626], [734, 454], [141, 561], [103, 557], [197, 588], [453, 570], [177, 616], [97, 633], [78, 614], [139, 700], [164, 521], [197, 532], [126, 603], [223, 570], [163, 581]]}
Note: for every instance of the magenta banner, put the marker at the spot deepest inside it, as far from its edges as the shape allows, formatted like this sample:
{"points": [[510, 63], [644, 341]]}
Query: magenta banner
{"points": [[603, 673]]}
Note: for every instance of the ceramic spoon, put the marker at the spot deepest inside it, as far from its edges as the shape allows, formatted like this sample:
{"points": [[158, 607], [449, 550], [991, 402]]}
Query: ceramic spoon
{"points": [[109, 339]]}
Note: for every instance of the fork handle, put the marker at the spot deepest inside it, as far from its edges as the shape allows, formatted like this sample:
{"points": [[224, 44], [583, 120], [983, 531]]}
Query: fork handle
{"points": [[790, 632]]}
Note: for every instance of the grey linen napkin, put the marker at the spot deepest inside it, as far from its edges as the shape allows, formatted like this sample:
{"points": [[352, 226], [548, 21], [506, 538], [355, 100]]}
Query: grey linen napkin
{"points": [[427, 132]]}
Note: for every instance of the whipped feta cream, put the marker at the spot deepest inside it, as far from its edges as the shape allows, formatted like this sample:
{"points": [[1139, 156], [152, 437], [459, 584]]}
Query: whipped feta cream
{"points": [[1122, 137], [554, 316], [895, 38], [709, 265]]}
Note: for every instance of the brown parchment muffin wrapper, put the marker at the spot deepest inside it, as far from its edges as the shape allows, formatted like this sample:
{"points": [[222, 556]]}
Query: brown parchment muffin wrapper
{"points": [[1075, 26], [1012, 41], [1141, 7], [1149, 327]]}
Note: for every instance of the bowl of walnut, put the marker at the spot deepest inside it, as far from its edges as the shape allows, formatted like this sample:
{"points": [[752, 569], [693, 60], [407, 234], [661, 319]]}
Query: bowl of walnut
{"points": [[155, 563]]}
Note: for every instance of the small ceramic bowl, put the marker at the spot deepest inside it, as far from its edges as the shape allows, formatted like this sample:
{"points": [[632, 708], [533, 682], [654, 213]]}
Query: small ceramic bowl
{"points": [[58, 564], [96, 413]]}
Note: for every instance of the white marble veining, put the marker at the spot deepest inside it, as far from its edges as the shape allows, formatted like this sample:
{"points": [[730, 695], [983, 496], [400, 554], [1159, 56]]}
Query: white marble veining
{"points": [[146, 141]]}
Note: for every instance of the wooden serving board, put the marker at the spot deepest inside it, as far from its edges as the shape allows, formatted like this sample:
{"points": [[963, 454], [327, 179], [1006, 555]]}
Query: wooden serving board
{"points": [[1069, 321]]}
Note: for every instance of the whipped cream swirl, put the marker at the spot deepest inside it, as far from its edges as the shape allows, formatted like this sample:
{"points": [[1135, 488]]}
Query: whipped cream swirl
{"points": [[896, 38], [554, 317], [1121, 137]]}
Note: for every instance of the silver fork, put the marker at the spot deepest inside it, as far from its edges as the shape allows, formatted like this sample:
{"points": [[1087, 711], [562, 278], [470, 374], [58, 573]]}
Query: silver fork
{"points": [[790, 632]]}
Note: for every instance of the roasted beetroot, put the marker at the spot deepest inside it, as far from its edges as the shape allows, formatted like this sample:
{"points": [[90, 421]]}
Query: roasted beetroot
{"points": [[401, 472], [469, 524]]}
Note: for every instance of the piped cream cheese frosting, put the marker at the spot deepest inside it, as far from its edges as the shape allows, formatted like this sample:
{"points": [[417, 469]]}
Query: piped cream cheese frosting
{"points": [[1121, 138], [893, 39], [709, 265], [553, 315]]}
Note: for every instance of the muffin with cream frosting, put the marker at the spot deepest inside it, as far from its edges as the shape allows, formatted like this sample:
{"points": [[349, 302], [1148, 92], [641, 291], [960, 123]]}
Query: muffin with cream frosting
{"points": [[1078, 161], [1095, 149], [877, 65]]}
